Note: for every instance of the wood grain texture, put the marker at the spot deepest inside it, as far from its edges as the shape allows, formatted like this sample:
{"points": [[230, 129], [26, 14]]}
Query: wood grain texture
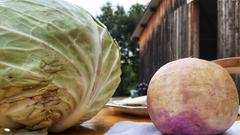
{"points": [[231, 64], [102, 122], [175, 35], [228, 28]]}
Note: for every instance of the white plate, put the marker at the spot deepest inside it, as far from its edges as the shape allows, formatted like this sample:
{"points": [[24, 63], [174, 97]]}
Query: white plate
{"points": [[135, 110], [135, 106]]}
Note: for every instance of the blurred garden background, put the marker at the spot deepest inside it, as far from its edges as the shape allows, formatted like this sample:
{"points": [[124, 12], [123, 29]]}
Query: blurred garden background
{"points": [[121, 24]]}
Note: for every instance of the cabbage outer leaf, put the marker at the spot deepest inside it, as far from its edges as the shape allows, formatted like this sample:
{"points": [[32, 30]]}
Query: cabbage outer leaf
{"points": [[58, 64]]}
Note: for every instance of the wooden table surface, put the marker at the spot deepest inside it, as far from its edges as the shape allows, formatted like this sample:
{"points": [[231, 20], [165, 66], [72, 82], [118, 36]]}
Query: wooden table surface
{"points": [[103, 121]]}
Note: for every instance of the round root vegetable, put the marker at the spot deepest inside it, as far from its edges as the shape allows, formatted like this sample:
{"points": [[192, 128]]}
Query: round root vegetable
{"points": [[192, 97]]}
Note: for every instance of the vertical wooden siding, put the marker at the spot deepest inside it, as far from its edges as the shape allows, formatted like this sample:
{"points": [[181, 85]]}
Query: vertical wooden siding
{"points": [[228, 28], [174, 37], [229, 31]]}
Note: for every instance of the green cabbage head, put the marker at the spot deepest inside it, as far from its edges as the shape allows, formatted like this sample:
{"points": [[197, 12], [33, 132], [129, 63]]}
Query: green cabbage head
{"points": [[58, 65]]}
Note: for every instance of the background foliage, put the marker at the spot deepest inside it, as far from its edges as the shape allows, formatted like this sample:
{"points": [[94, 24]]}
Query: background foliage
{"points": [[121, 25]]}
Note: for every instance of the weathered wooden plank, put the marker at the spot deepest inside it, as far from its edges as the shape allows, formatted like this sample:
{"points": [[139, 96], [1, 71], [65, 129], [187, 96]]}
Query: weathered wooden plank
{"points": [[238, 37], [181, 47], [192, 29], [189, 44], [156, 50], [175, 51], [221, 27], [195, 29], [164, 39], [169, 36], [184, 32], [230, 44], [173, 35], [227, 28], [237, 26], [147, 66], [164, 42], [177, 35], [159, 45], [150, 59], [173, 3]]}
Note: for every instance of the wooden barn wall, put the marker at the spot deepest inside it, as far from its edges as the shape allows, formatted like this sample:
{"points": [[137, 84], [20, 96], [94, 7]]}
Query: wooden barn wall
{"points": [[175, 36], [229, 28], [229, 31]]}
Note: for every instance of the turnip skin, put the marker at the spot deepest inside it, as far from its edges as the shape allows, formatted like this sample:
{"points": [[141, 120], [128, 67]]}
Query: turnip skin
{"points": [[192, 97]]}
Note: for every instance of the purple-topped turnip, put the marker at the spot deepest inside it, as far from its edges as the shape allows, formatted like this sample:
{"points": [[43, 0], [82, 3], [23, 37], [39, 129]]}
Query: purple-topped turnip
{"points": [[192, 97]]}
